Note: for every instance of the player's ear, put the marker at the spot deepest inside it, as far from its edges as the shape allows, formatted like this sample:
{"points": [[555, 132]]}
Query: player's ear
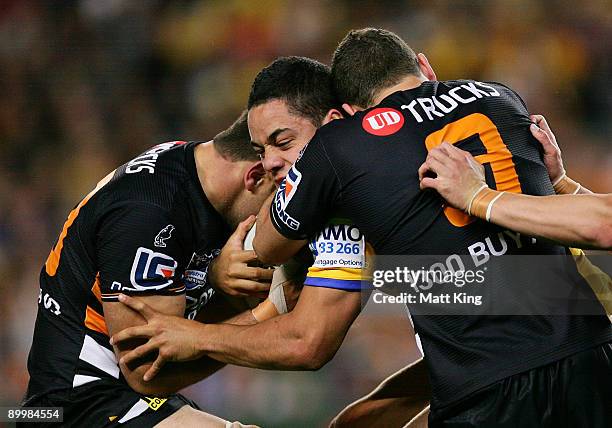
{"points": [[349, 109], [254, 176], [425, 67], [332, 114]]}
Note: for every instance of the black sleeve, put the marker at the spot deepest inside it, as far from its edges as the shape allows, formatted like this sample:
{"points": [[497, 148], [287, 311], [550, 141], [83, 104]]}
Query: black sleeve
{"points": [[513, 95], [139, 252], [527, 156], [305, 199]]}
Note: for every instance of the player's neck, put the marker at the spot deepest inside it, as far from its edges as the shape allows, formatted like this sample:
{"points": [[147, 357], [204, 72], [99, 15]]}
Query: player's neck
{"points": [[217, 177], [409, 82]]}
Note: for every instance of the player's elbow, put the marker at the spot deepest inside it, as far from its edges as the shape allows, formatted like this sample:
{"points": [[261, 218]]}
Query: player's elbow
{"points": [[308, 359], [312, 353], [149, 388], [600, 233], [152, 388], [603, 239], [606, 239]]}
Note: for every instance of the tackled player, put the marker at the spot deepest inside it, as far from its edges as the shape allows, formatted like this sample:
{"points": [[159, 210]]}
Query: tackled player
{"points": [[154, 228]]}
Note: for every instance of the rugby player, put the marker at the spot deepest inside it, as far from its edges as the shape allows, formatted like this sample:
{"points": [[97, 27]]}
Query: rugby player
{"points": [[390, 395], [575, 219], [276, 143], [485, 371], [150, 228], [289, 100]]}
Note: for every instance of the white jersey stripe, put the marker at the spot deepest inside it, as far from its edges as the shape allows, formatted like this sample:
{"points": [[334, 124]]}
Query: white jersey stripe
{"points": [[82, 380], [99, 356], [137, 409]]}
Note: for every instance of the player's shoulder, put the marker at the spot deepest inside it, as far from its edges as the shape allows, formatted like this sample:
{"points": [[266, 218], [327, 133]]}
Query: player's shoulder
{"points": [[153, 177], [338, 130], [158, 159], [463, 89], [431, 99], [344, 135], [471, 83]]}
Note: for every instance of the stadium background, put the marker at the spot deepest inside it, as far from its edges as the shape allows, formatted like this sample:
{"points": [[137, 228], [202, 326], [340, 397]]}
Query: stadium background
{"points": [[86, 85]]}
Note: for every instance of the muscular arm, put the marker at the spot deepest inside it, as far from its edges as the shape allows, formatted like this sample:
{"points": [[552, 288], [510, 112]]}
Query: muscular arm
{"points": [[304, 339], [571, 219], [174, 376], [575, 220], [583, 221]]}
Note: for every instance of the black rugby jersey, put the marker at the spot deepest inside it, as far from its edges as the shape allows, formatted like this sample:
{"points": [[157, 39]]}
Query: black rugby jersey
{"points": [[365, 168], [147, 228]]}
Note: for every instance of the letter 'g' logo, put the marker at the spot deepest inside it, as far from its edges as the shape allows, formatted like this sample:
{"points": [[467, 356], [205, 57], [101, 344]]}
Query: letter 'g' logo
{"points": [[383, 121], [151, 270]]}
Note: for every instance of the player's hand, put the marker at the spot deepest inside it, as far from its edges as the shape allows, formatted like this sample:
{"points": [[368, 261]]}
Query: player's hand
{"points": [[552, 153], [230, 271], [170, 336], [458, 175]]}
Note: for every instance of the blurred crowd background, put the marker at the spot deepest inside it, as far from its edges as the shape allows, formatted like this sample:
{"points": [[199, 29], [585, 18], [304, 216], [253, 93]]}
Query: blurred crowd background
{"points": [[86, 85]]}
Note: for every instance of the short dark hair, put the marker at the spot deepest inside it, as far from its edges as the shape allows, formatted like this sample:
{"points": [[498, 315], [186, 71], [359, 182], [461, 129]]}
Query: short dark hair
{"points": [[369, 60], [234, 142], [303, 83]]}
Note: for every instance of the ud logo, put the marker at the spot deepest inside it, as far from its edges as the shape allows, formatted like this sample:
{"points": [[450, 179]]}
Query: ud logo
{"points": [[383, 121], [152, 270], [163, 235]]}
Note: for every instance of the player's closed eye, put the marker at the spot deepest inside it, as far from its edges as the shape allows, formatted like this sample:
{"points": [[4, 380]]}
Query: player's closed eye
{"points": [[284, 143], [260, 151]]}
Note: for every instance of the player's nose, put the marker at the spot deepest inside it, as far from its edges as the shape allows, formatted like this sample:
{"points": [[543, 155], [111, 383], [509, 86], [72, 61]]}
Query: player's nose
{"points": [[273, 164]]}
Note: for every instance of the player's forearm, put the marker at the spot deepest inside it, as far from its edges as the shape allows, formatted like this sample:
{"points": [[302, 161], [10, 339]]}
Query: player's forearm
{"points": [[271, 247], [304, 339], [176, 376], [275, 344], [584, 191], [173, 376], [243, 318], [567, 186], [264, 242], [577, 220]]}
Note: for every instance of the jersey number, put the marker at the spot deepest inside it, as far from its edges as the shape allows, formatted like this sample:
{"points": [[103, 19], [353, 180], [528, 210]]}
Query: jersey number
{"points": [[498, 156]]}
